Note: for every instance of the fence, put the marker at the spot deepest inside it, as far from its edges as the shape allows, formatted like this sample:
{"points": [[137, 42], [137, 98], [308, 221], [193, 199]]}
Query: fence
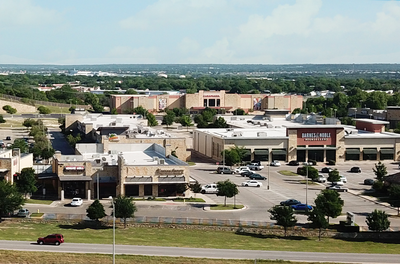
{"points": [[37, 102]]}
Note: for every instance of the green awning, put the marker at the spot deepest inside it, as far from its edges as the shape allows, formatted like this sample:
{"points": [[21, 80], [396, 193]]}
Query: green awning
{"points": [[370, 151], [278, 152], [387, 151], [261, 152], [353, 151]]}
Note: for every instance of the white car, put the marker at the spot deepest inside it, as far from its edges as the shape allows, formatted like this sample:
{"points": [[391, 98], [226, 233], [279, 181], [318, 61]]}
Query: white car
{"points": [[209, 188], [240, 169], [275, 163], [338, 183], [246, 170], [76, 202], [337, 188], [252, 183], [321, 178]]}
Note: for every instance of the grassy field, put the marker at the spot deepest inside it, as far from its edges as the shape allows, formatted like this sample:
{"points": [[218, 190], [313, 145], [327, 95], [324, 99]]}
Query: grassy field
{"points": [[227, 207], [177, 237], [72, 258], [35, 201], [288, 173], [191, 199]]}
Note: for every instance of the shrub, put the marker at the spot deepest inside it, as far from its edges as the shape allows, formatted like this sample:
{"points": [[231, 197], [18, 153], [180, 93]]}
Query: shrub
{"points": [[378, 186], [9, 109], [44, 110]]}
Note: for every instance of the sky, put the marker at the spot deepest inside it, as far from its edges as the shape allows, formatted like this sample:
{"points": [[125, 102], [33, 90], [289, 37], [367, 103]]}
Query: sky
{"points": [[199, 31]]}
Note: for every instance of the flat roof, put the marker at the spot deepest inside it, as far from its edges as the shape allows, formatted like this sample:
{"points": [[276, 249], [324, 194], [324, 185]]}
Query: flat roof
{"points": [[372, 121]]}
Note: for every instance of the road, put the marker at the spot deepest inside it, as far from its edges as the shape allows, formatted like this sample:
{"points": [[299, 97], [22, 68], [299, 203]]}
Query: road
{"points": [[202, 252]]}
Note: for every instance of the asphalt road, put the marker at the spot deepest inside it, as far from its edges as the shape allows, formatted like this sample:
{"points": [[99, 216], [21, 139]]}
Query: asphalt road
{"points": [[202, 252]]}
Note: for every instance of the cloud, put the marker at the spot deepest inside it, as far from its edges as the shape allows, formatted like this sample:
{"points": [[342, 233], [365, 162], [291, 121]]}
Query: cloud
{"points": [[24, 13], [388, 20], [188, 45], [170, 13]]}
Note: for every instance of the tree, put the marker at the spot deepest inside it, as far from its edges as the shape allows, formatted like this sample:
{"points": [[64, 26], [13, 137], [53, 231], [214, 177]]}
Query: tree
{"points": [[394, 195], [318, 220], [9, 109], [26, 181], [168, 119], [95, 211], [29, 122], [219, 123], [151, 119], [330, 203], [124, 208], [44, 110], [21, 144], [10, 198], [2, 119], [186, 121], [283, 215], [114, 111], [239, 111], [231, 157], [378, 221], [241, 151], [181, 188], [334, 176], [380, 171], [227, 188], [195, 187], [312, 172]]}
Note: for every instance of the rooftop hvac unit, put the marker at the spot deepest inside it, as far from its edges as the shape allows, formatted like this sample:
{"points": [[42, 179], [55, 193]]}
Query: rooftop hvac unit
{"points": [[261, 134], [155, 158], [236, 134], [229, 129], [161, 161]]}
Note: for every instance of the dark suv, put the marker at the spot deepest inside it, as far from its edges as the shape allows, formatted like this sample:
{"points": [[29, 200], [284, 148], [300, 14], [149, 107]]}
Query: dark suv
{"points": [[55, 239], [224, 170], [256, 176], [355, 169]]}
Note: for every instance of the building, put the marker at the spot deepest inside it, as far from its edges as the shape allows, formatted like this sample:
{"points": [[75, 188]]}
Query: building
{"points": [[220, 100], [12, 161], [285, 140], [139, 170]]}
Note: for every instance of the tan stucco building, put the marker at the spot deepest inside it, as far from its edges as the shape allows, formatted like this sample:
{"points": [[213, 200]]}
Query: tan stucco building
{"points": [[12, 161]]}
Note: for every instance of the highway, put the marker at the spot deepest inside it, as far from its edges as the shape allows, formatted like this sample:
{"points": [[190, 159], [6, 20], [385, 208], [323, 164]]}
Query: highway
{"points": [[203, 252]]}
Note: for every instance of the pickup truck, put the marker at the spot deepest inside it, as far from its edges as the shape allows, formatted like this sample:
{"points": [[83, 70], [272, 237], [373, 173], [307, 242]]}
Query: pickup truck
{"points": [[209, 188], [255, 166]]}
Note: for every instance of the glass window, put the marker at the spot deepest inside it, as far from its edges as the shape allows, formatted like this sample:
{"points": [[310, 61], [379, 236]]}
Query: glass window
{"points": [[211, 102], [205, 103], [218, 102]]}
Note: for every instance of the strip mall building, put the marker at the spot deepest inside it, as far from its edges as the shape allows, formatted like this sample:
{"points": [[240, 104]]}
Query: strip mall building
{"points": [[286, 141]]}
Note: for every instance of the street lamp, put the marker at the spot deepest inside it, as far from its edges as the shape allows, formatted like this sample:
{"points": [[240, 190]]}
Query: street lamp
{"points": [[113, 213], [306, 164], [98, 184], [268, 174]]}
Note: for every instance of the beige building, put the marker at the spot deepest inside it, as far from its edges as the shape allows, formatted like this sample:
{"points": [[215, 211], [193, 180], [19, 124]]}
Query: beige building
{"points": [[12, 162], [213, 99], [286, 140], [141, 170]]}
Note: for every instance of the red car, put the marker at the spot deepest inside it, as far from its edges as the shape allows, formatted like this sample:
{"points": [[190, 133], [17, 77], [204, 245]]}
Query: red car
{"points": [[55, 239]]}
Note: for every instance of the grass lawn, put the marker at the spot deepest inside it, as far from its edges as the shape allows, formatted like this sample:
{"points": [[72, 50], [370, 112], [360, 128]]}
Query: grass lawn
{"points": [[36, 201], [73, 258], [191, 199], [227, 207], [176, 237], [310, 182], [288, 173], [37, 214]]}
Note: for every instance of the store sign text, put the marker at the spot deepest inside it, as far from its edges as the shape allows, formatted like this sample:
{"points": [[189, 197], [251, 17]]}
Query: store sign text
{"points": [[316, 136]]}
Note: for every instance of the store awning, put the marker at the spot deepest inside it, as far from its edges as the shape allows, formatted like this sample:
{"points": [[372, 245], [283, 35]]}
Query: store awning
{"points": [[370, 151], [74, 178], [387, 151], [278, 152], [353, 151], [317, 148], [70, 168], [261, 152], [80, 167]]}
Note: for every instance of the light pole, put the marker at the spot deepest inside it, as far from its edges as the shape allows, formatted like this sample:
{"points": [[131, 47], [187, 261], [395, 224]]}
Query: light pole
{"points": [[335, 112], [306, 163], [113, 213], [268, 174], [98, 184]]}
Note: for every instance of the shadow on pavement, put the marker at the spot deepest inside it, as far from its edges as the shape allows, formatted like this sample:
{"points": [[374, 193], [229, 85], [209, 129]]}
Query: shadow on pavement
{"points": [[87, 225], [265, 236]]}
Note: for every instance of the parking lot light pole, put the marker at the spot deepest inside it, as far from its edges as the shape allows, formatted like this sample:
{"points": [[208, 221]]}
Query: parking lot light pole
{"points": [[268, 175], [306, 164], [113, 208]]}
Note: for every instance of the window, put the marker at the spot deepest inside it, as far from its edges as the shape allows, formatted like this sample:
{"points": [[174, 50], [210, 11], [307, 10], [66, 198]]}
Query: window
{"points": [[211, 102], [218, 102], [205, 103]]}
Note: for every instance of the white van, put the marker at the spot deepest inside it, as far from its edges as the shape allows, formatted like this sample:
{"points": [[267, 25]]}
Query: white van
{"points": [[209, 188]]}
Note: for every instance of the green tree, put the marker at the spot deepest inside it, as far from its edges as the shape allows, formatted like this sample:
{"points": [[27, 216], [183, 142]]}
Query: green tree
{"points": [[95, 211], [241, 151], [394, 195], [239, 111], [219, 123], [2, 120], [195, 187], [151, 119], [43, 110], [334, 176], [330, 203], [10, 198], [114, 111], [186, 121], [231, 157], [318, 220], [26, 181], [181, 188], [312, 172], [9, 109], [227, 188], [284, 216], [168, 119], [380, 171], [124, 208], [21, 144], [378, 221], [131, 91], [199, 120], [29, 122]]}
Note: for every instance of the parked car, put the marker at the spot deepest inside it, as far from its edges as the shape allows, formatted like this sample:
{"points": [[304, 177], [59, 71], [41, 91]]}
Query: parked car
{"points": [[238, 170], [289, 202], [326, 170], [76, 202], [321, 178], [255, 166], [338, 183], [55, 239], [256, 176], [224, 170], [337, 188], [369, 182], [8, 138], [343, 178], [23, 212], [301, 207], [252, 183], [209, 188], [355, 169], [247, 173], [275, 163], [293, 163]]}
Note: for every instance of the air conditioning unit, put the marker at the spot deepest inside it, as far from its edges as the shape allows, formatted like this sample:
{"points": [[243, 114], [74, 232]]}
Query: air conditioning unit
{"points": [[229, 129], [155, 158], [161, 161]]}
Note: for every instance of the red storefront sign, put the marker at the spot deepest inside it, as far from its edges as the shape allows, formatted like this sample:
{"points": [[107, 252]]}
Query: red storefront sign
{"points": [[317, 136]]}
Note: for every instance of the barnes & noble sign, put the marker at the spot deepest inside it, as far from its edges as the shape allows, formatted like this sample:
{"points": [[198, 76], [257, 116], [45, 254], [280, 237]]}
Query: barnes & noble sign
{"points": [[316, 136]]}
